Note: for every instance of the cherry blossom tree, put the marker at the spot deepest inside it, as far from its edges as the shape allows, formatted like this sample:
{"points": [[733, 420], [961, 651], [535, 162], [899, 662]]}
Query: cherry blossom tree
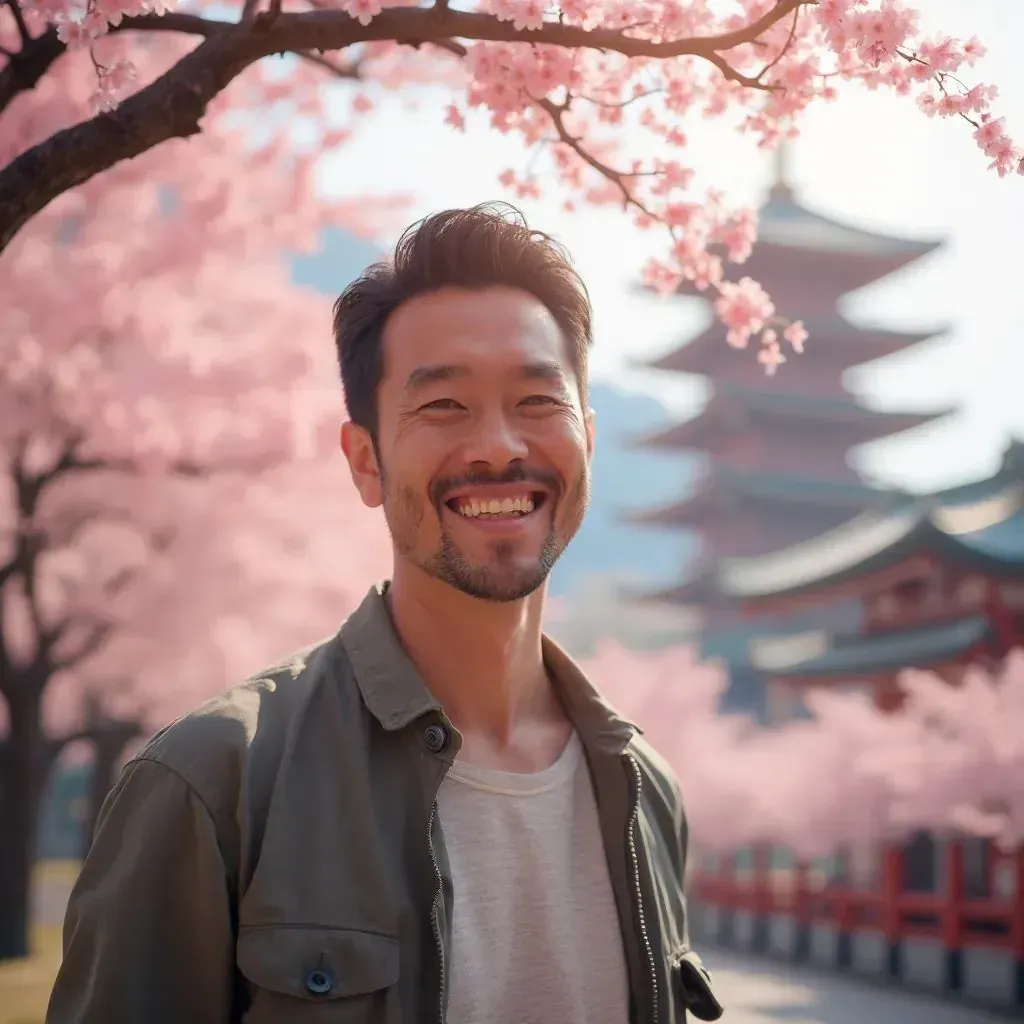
{"points": [[850, 776], [577, 78], [817, 785], [957, 761], [155, 547], [168, 397]]}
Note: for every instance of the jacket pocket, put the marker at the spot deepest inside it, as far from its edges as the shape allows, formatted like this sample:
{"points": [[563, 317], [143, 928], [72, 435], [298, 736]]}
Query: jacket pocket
{"points": [[692, 982], [310, 973]]}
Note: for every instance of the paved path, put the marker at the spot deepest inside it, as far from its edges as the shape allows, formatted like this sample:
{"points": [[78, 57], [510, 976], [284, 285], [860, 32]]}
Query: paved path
{"points": [[50, 899], [763, 992]]}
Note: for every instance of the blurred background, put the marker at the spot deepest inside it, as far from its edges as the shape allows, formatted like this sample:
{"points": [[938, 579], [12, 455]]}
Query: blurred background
{"points": [[756, 548]]}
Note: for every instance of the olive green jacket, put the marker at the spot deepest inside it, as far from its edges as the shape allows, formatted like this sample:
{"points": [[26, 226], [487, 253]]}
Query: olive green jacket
{"points": [[275, 858]]}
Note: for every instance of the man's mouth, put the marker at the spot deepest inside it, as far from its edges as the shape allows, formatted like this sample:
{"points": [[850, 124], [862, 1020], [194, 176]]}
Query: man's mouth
{"points": [[509, 506]]}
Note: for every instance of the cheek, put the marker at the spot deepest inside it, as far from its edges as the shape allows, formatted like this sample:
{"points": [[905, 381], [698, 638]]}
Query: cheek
{"points": [[572, 445], [565, 450]]}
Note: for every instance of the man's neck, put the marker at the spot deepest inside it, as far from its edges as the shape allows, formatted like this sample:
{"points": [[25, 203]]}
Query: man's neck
{"points": [[481, 659]]}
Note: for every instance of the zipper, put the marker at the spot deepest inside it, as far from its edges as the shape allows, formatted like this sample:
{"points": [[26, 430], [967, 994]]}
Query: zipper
{"points": [[634, 816], [435, 927]]}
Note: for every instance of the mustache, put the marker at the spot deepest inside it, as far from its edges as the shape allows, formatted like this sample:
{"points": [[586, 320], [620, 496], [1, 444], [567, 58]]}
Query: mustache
{"points": [[513, 475]]}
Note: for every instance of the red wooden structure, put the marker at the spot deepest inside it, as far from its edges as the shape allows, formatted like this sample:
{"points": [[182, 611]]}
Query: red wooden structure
{"points": [[976, 938]]}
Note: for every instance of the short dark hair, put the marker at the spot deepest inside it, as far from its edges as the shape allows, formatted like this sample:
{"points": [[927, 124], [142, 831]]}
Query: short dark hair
{"points": [[480, 247]]}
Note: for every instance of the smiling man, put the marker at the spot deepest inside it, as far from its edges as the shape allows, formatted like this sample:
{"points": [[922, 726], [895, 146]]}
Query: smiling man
{"points": [[432, 816]]}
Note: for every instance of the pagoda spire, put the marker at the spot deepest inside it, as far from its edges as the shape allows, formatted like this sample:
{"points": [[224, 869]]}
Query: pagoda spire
{"points": [[782, 167]]}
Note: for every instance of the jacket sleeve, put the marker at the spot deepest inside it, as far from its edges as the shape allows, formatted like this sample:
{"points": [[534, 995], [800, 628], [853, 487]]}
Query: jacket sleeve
{"points": [[148, 934]]}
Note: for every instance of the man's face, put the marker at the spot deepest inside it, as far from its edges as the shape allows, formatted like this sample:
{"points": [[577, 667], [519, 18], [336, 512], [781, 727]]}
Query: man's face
{"points": [[483, 461]]}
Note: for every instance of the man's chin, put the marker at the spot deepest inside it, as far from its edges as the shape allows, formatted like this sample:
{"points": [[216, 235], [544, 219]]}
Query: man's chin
{"points": [[501, 586]]}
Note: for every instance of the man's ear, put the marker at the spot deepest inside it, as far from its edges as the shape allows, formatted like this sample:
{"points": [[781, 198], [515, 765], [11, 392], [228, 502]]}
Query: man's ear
{"points": [[589, 419], [361, 454]]}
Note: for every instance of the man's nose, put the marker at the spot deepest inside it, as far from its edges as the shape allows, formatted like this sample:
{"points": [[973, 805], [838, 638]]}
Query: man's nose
{"points": [[496, 441]]}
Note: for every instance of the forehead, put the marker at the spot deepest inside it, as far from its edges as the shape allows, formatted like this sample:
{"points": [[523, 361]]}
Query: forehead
{"points": [[484, 331]]}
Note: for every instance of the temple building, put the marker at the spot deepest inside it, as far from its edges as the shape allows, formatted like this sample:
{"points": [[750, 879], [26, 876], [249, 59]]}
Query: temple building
{"points": [[775, 448], [939, 579]]}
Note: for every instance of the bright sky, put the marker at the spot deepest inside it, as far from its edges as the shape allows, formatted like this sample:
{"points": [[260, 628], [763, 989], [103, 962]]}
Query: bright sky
{"points": [[873, 160]]}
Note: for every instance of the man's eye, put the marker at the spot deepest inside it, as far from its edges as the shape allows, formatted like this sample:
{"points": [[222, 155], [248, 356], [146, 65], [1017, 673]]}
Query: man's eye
{"points": [[442, 404], [539, 400]]}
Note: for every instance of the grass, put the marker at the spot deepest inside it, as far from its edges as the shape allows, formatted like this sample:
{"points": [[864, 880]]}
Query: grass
{"points": [[25, 984], [55, 871]]}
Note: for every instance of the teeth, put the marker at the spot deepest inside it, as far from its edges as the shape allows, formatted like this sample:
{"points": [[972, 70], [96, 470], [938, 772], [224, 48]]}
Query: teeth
{"points": [[472, 507]]}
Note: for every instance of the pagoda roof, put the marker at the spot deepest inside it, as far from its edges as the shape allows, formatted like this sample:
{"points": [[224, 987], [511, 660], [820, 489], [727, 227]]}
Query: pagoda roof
{"points": [[794, 241], [761, 410], [786, 224], [817, 654], [980, 526], [1010, 471], [770, 488], [698, 588], [833, 341]]}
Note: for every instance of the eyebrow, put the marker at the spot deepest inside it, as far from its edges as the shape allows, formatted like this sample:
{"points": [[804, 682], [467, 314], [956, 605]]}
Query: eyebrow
{"points": [[424, 376]]}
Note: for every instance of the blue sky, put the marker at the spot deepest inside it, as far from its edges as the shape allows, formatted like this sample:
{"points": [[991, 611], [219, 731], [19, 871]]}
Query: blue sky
{"points": [[871, 159]]}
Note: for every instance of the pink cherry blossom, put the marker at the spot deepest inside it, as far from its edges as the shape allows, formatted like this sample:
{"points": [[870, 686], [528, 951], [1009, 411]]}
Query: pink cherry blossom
{"points": [[744, 307], [571, 99], [796, 335], [364, 11]]}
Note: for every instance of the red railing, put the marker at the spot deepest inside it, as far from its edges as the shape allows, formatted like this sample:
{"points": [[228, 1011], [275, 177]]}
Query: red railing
{"points": [[949, 916]]}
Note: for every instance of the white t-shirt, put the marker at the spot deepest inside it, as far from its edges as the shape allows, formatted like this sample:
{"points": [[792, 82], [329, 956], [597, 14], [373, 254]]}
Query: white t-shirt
{"points": [[536, 936]]}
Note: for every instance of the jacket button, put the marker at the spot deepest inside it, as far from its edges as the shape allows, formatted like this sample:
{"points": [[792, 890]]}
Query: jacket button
{"points": [[319, 982], [436, 738]]}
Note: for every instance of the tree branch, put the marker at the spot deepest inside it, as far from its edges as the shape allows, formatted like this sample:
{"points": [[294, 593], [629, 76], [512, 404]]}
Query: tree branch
{"points": [[26, 68], [618, 178], [353, 69], [19, 20], [95, 637], [174, 105], [785, 48]]}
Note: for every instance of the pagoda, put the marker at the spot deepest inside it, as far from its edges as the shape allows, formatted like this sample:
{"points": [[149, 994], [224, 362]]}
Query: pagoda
{"points": [[775, 448], [940, 581]]}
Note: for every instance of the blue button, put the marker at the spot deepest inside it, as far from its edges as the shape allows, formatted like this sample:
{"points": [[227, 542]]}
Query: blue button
{"points": [[436, 738], [319, 982]]}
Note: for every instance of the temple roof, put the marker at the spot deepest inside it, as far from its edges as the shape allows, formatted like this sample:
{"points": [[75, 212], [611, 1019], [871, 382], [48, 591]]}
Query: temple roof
{"points": [[785, 223], [762, 488], [734, 408], [830, 257], [817, 654], [979, 525], [698, 588], [833, 340]]}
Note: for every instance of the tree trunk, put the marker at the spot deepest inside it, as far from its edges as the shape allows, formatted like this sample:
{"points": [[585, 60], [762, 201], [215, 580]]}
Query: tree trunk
{"points": [[23, 769]]}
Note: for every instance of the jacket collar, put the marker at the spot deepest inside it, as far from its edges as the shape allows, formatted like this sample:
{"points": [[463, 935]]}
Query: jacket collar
{"points": [[395, 693]]}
